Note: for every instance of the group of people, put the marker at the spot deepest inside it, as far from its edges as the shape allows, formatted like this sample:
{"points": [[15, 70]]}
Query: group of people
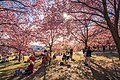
{"points": [[87, 54], [30, 68], [46, 59], [68, 55]]}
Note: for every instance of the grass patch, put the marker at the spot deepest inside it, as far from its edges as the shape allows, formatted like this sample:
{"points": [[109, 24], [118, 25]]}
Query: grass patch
{"points": [[13, 66], [8, 68]]}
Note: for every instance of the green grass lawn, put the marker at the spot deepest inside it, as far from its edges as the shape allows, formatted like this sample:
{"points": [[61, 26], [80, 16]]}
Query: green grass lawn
{"points": [[7, 69], [12, 64]]}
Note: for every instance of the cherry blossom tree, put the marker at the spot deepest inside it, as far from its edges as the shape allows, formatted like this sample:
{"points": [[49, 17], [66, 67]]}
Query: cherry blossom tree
{"points": [[15, 23], [106, 15]]}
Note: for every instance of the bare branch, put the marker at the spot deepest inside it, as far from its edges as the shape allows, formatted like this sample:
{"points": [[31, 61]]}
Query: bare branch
{"points": [[15, 1], [110, 2], [3, 9], [88, 13], [117, 16], [98, 23], [88, 6]]}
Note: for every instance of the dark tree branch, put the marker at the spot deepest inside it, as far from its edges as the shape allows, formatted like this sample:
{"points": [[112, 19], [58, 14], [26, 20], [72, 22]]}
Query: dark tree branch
{"points": [[99, 24], [88, 6], [87, 13], [117, 14], [9, 46], [106, 14], [6, 9], [77, 37], [15, 1], [115, 9], [8, 24], [111, 2]]}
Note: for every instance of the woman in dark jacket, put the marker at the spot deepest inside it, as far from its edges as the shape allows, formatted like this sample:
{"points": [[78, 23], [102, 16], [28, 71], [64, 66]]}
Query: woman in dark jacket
{"points": [[88, 55], [71, 53]]}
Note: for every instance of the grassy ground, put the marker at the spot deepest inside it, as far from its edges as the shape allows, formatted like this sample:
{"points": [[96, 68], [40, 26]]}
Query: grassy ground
{"points": [[103, 67], [7, 69]]}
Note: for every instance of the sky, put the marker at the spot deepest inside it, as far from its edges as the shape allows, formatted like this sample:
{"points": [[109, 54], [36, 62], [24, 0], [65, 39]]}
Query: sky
{"points": [[37, 43]]}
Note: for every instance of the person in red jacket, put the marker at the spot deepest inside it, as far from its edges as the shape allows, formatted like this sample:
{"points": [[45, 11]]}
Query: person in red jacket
{"points": [[29, 69], [44, 57], [32, 57]]}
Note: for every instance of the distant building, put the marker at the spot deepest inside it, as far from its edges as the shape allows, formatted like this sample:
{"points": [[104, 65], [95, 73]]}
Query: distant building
{"points": [[37, 48]]}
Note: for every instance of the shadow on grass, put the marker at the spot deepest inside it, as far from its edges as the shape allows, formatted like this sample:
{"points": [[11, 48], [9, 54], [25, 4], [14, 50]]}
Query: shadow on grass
{"points": [[6, 64], [61, 79], [103, 74], [98, 75], [5, 76], [108, 54], [41, 69]]}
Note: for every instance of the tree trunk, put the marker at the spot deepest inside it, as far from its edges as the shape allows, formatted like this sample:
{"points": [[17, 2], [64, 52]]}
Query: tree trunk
{"points": [[19, 56], [50, 50], [86, 41], [118, 47], [23, 58], [117, 41]]}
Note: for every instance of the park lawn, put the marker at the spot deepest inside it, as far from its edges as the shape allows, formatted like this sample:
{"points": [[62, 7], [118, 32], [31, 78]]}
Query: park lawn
{"points": [[76, 56], [12, 66], [9, 70], [16, 65], [101, 65]]}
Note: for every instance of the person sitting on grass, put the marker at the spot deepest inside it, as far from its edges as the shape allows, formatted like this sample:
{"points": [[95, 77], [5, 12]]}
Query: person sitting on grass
{"points": [[64, 58], [29, 69], [67, 55], [17, 72]]}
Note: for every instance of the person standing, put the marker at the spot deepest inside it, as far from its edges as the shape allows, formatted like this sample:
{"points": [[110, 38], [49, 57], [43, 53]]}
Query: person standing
{"points": [[71, 53], [44, 58], [84, 54], [88, 56]]}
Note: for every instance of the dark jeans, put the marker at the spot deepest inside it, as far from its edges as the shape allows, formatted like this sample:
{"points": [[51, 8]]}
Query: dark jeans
{"points": [[28, 71]]}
